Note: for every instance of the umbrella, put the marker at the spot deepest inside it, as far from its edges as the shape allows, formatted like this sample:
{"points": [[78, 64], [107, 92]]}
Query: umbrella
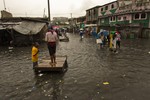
{"points": [[105, 33]]}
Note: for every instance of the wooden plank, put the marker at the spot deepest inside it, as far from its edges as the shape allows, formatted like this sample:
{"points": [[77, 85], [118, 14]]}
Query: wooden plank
{"points": [[44, 64]]}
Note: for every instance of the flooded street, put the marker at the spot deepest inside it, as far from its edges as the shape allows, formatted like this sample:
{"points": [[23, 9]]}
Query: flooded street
{"points": [[92, 74]]}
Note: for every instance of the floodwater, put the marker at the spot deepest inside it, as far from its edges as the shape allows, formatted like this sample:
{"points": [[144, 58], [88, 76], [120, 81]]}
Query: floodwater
{"points": [[93, 74]]}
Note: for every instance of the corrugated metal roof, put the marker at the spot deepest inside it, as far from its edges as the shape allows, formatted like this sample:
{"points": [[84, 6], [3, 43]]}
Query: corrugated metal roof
{"points": [[28, 27], [8, 25]]}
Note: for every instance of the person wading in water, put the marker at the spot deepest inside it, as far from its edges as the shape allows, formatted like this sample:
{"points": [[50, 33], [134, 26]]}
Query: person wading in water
{"points": [[51, 39]]}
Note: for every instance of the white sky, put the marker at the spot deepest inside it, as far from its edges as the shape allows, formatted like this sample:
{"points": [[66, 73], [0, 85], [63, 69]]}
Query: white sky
{"points": [[58, 8]]}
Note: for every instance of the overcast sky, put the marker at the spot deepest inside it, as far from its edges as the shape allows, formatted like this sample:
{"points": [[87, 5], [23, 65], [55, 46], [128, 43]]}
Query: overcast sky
{"points": [[58, 8]]}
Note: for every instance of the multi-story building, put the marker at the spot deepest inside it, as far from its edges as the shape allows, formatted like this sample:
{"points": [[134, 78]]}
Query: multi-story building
{"points": [[131, 17], [92, 15]]}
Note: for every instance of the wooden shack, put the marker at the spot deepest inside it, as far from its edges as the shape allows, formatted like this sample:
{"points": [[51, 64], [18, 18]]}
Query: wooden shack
{"points": [[22, 31]]}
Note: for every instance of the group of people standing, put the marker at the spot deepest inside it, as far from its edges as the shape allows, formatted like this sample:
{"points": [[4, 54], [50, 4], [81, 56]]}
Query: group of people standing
{"points": [[113, 40], [103, 38]]}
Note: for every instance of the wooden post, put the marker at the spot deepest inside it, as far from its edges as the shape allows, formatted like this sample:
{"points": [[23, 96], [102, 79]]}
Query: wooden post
{"points": [[49, 17]]}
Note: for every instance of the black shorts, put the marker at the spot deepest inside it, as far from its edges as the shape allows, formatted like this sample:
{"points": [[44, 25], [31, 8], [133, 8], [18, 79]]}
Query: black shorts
{"points": [[51, 48]]}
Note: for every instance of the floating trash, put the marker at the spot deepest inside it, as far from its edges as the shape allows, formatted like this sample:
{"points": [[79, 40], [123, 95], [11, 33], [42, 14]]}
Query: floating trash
{"points": [[66, 97], [149, 52], [33, 88], [10, 48], [40, 75], [97, 85], [30, 90], [124, 75], [75, 81], [102, 97], [106, 83], [60, 81], [46, 82]]}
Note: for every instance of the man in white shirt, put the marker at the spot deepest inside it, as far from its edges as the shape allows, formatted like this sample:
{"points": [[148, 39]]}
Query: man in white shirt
{"points": [[51, 39]]}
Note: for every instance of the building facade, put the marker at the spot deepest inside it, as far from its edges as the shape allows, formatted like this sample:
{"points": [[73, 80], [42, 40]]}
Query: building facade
{"points": [[92, 15], [131, 17]]}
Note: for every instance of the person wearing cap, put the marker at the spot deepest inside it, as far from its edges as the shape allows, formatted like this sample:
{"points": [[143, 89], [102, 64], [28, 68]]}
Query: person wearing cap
{"points": [[51, 38]]}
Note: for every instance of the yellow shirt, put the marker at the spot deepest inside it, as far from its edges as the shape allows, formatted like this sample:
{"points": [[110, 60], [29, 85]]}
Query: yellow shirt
{"points": [[34, 54]]}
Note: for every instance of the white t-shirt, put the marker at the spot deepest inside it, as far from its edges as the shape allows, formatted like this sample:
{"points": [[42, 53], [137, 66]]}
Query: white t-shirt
{"points": [[51, 37]]}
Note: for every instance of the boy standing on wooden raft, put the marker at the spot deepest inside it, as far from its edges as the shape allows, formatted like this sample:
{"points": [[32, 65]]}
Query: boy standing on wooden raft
{"points": [[35, 52], [51, 39]]}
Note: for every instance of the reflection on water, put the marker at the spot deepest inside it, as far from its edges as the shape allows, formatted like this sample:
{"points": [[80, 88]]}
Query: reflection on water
{"points": [[127, 72]]}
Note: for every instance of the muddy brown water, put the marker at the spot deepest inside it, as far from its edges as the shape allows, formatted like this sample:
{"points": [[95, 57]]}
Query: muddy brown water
{"points": [[126, 73]]}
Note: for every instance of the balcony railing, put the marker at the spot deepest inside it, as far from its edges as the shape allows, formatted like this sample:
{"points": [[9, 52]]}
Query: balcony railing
{"points": [[136, 6]]}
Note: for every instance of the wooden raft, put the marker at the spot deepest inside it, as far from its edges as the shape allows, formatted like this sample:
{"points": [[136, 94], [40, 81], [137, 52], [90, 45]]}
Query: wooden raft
{"points": [[44, 64]]}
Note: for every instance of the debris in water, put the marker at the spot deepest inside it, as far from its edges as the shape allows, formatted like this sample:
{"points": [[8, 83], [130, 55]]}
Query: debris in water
{"points": [[49, 95], [149, 52], [59, 81], [124, 75], [40, 75], [106, 83], [30, 90], [102, 97], [46, 82], [66, 97], [98, 85], [75, 81], [97, 92]]}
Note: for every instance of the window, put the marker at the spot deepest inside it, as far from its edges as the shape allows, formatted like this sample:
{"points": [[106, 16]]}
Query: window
{"points": [[119, 18], [94, 12], [106, 7], [112, 6], [101, 9], [143, 15], [102, 20], [89, 13], [124, 18], [140, 16], [112, 19], [137, 16]]}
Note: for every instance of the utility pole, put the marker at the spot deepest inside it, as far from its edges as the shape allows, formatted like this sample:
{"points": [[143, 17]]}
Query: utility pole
{"points": [[72, 22], [49, 17], [44, 13], [4, 4], [71, 15]]}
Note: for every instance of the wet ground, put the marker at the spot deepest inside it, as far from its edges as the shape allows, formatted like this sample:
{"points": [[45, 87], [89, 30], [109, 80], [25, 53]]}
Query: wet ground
{"points": [[93, 74]]}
